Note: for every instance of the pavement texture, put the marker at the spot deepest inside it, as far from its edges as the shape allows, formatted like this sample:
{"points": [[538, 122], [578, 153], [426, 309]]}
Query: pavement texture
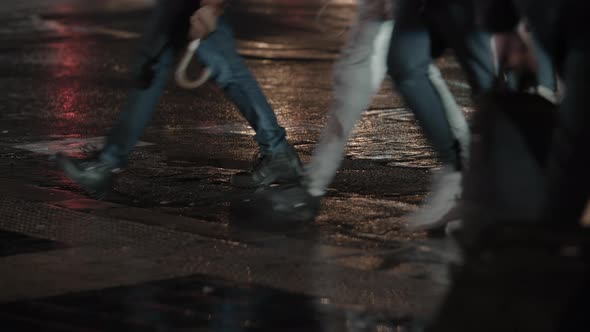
{"points": [[158, 254]]}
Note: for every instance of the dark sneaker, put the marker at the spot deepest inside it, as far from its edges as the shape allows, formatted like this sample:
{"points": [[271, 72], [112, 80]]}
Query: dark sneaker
{"points": [[281, 207], [268, 169], [93, 175], [440, 204]]}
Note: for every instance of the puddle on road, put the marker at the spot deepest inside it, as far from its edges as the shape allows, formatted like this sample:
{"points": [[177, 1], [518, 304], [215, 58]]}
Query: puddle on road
{"points": [[189, 303]]}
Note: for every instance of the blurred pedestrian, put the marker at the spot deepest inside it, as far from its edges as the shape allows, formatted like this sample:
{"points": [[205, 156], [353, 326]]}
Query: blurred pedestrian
{"points": [[167, 32]]}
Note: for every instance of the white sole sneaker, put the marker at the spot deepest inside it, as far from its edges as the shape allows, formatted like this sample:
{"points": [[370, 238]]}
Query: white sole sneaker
{"points": [[441, 205]]}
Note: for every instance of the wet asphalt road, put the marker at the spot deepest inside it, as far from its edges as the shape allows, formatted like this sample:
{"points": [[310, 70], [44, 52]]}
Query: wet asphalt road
{"points": [[64, 70], [64, 78]]}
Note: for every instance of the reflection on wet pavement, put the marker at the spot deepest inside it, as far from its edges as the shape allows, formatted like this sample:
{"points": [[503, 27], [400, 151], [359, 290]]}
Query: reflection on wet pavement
{"points": [[75, 87], [399, 141], [12, 243], [197, 303], [65, 72]]}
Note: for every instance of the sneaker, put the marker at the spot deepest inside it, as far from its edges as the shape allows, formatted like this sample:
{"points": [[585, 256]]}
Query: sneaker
{"points": [[278, 207], [93, 175], [441, 205], [282, 167]]}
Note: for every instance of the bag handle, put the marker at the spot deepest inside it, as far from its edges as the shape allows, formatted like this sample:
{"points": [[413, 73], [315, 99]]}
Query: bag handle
{"points": [[181, 76]]}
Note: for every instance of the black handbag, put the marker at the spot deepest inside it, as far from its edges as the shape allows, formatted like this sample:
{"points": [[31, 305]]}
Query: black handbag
{"points": [[505, 180]]}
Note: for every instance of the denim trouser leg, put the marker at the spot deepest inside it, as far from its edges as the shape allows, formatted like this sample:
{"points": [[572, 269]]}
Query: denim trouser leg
{"points": [[408, 62], [454, 22], [218, 52], [164, 35], [455, 117], [410, 55], [141, 104], [358, 74]]}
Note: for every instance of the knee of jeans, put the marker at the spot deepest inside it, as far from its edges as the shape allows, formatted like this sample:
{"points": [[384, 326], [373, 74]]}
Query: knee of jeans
{"points": [[146, 70], [402, 69], [405, 74], [221, 75], [143, 75], [434, 73], [220, 66]]}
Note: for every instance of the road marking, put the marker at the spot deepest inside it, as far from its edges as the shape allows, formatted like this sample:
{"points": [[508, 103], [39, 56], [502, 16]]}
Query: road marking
{"points": [[122, 34], [52, 25], [68, 145]]}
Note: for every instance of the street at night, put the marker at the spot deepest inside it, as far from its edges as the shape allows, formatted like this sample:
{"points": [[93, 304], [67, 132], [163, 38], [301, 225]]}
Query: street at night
{"points": [[161, 251]]}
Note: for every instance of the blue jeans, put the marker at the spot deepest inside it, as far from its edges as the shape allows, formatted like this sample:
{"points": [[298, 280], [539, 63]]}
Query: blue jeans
{"points": [[358, 75], [417, 29], [165, 36]]}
